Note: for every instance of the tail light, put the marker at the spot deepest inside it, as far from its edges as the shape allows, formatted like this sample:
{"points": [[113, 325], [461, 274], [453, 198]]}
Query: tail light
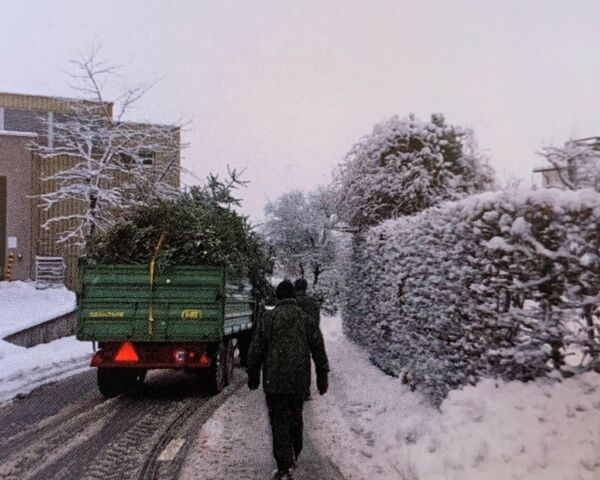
{"points": [[205, 360]]}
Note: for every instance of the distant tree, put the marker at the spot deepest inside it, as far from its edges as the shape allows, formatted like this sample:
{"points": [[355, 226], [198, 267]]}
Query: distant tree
{"points": [[298, 227], [406, 165], [108, 157], [576, 163]]}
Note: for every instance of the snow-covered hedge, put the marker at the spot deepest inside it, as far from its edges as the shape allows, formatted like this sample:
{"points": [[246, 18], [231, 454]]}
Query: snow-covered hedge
{"points": [[406, 165], [498, 284]]}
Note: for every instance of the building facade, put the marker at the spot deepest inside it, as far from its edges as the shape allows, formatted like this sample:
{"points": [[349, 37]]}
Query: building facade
{"points": [[27, 121], [549, 177], [16, 205], [575, 165]]}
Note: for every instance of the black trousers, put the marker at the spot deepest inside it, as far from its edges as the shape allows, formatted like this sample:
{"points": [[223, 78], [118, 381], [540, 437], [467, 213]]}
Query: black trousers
{"points": [[285, 414]]}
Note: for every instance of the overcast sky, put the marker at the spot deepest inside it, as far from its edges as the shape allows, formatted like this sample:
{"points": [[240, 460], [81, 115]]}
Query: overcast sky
{"points": [[285, 88]]}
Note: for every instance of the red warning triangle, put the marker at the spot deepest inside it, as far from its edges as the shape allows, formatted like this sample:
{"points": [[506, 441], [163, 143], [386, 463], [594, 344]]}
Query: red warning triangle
{"points": [[127, 353]]}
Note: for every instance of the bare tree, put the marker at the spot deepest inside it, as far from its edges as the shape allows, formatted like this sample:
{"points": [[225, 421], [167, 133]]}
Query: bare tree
{"points": [[112, 164]]}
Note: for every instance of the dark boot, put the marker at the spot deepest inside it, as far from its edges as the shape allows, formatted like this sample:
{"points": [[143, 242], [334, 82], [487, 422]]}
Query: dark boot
{"points": [[286, 475]]}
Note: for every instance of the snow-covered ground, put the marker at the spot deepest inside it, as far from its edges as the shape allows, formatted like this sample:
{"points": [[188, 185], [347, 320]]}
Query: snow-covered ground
{"points": [[373, 427], [234, 442], [23, 369], [22, 306]]}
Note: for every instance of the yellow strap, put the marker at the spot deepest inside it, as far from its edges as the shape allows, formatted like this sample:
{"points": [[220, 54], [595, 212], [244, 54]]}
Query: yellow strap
{"points": [[150, 319], [157, 248]]}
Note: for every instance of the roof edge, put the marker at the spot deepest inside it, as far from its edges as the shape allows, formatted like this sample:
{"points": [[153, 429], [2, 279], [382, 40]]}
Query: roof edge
{"points": [[45, 102], [14, 133]]}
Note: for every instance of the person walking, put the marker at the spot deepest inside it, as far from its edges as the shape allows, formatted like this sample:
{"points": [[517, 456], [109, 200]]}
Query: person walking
{"points": [[312, 308], [282, 345], [307, 303]]}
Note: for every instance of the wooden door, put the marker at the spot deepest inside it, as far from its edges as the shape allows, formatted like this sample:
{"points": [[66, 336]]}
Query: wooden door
{"points": [[3, 209]]}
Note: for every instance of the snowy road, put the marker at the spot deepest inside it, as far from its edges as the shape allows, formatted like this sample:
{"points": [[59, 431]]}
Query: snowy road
{"points": [[66, 430], [235, 443]]}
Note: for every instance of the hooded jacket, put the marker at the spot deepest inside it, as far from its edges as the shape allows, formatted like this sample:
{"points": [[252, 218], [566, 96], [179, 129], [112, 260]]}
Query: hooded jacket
{"points": [[284, 341]]}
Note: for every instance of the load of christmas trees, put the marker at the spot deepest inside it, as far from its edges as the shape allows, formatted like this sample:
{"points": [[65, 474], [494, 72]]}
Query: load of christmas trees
{"points": [[200, 227]]}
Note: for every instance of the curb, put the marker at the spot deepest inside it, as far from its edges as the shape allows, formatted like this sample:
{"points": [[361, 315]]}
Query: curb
{"points": [[59, 327]]}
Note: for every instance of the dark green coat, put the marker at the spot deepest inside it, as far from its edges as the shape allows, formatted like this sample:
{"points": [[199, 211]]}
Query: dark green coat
{"points": [[284, 341], [310, 306]]}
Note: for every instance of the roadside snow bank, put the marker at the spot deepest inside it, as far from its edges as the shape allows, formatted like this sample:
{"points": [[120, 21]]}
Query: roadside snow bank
{"points": [[24, 369], [22, 306], [497, 430], [374, 427]]}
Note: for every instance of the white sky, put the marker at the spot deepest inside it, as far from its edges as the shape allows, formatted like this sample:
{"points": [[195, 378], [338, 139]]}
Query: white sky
{"points": [[285, 88]]}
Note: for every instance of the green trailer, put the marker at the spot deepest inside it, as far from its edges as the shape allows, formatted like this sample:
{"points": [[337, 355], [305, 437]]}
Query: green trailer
{"points": [[180, 317]]}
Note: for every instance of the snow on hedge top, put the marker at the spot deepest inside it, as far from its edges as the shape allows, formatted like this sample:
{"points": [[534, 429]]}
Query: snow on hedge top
{"points": [[559, 200], [23, 306]]}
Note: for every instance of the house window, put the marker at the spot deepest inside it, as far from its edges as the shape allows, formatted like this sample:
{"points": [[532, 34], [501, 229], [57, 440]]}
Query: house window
{"points": [[145, 158]]}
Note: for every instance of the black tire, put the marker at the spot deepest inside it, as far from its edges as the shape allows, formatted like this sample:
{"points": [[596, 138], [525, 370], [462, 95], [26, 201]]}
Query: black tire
{"points": [[231, 346], [217, 372], [113, 382], [110, 382], [140, 378], [243, 346]]}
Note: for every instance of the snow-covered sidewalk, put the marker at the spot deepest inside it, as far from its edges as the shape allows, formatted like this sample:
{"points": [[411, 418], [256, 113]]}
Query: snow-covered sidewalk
{"points": [[235, 443], [22, 306], [24, 369], [373, 427]]}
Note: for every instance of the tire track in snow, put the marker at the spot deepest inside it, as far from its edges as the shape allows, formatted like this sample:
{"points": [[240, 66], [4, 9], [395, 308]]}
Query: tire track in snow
{"points": [[96, 439], [53, 441]]}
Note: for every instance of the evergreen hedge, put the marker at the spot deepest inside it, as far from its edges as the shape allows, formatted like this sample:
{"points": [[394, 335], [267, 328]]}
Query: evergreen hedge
{"points": [[498, 284]]}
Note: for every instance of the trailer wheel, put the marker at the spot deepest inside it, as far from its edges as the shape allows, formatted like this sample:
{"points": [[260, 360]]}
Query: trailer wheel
{"points": [[243, 346], [217, 373], [115, 381], [230, 357], [111, 382], [140, 378]]}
